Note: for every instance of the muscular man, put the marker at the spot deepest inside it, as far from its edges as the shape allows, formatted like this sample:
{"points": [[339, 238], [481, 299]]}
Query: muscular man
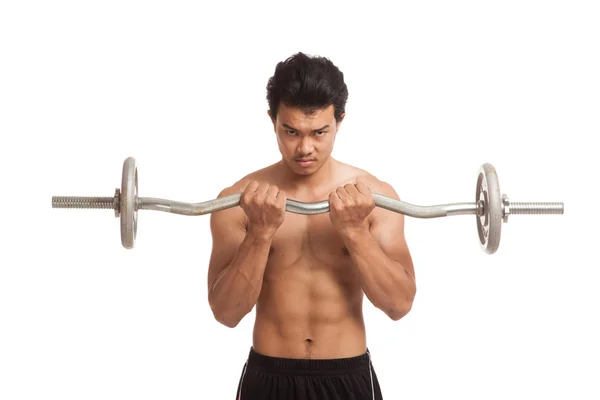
{"points": [[306, 274]]}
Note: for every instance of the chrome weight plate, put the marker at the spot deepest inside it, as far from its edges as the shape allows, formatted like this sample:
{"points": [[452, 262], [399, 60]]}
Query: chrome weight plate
{"points": [[129, 209], [489, 222]]}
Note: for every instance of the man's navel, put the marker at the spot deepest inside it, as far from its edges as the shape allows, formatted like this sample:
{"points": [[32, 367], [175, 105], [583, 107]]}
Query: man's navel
{"points": [[308, 347]]}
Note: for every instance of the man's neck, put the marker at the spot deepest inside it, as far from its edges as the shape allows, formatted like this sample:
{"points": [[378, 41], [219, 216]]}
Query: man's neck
{"points": [[308, 183]]}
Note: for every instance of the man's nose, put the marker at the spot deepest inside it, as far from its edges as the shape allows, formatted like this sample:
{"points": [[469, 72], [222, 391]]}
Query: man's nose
{"points": [[306, 146]]}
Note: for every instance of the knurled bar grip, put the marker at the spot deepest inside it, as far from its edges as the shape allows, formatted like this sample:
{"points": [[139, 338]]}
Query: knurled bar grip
{"points": [[298, 207], [490, 207]]}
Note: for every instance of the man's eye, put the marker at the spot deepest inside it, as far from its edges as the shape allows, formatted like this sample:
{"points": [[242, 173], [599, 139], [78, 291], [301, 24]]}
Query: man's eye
{"points": [[321, 133], [291, 133]]}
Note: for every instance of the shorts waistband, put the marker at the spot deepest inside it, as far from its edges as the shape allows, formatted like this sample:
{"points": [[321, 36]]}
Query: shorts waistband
{"points": [[309, 366]]}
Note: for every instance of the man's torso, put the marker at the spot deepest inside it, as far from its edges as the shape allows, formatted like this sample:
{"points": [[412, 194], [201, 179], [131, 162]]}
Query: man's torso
{"points": [[310, 305]]}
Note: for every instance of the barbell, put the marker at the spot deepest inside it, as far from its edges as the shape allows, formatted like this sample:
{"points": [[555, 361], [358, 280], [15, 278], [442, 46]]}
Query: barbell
{"points": [[491, 208]]}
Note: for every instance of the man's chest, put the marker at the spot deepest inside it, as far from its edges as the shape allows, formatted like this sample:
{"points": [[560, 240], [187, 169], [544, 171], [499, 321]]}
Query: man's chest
{"points": [[308, 239]]}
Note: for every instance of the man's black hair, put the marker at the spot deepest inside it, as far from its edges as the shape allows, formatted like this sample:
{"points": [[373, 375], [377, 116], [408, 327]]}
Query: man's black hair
{"points": [[307, 82]]}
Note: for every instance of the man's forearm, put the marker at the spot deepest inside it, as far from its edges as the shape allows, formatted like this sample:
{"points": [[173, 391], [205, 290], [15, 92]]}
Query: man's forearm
{"points": [[235, 291], [385, 282]]}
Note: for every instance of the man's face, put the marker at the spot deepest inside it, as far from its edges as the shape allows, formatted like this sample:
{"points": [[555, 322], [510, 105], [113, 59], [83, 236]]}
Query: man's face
{"points": [[305, 139]]}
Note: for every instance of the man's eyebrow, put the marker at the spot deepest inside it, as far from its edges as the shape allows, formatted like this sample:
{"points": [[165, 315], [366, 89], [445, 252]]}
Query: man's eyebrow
{"points": [[314, 130]]}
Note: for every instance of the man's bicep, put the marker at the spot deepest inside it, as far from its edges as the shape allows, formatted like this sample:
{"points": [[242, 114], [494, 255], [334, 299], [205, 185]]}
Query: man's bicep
{"points": [[227, 231], [387, 228]]}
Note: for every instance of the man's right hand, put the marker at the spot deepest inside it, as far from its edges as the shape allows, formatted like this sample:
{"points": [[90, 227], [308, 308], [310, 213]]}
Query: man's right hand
{"points": [[264, 205]]}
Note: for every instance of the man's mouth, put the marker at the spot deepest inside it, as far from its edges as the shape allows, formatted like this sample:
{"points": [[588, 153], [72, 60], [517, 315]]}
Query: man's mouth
{"points": [[305, 162]]}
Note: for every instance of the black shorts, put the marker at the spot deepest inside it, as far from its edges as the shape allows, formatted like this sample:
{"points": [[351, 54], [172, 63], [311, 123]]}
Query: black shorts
{"points": [[272, 378]]}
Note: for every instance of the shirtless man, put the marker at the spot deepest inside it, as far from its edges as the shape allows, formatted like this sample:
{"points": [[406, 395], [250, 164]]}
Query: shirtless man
{"points": [[306, 274]]}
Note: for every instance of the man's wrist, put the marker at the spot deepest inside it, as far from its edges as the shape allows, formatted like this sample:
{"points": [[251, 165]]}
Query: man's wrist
{"points": [[353, 235], [259, 236]]}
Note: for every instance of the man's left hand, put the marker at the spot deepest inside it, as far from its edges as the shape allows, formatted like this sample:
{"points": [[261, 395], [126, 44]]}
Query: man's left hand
{"points": [[349, 207]]}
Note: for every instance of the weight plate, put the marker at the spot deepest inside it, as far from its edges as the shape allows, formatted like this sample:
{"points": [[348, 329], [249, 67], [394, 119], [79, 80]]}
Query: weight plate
{"points": [[129, 192], [489, 224]]}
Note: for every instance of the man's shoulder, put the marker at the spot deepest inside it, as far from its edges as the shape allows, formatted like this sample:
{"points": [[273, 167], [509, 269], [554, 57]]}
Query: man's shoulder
{"points": [[260, 175], [375, 184]]}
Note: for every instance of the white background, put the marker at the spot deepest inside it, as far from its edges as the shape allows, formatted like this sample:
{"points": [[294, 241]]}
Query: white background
{"points": [[436, 89]]}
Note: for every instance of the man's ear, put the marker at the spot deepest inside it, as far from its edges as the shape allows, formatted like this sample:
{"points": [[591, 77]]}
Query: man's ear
{"points": [[272, 120], [338, 123]]}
